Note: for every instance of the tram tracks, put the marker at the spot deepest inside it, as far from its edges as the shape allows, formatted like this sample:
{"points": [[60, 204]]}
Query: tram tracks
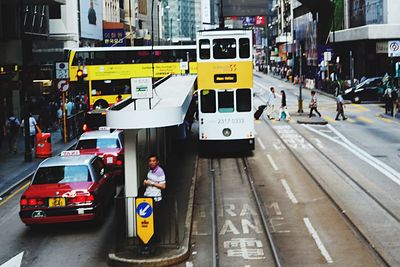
{"points": [[242, 171], [362, 236]]}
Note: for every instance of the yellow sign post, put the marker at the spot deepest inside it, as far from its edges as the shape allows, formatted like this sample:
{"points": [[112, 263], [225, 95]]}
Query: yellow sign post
{"points": [[144, 219]]}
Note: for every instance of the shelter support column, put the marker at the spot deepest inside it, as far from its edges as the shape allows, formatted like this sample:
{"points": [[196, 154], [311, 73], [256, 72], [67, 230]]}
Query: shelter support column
{"points": [[131, 178]]}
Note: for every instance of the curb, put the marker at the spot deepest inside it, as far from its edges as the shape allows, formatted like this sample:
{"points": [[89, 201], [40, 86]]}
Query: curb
{"points": [[23, 180], [324, 122], [184, 250]]}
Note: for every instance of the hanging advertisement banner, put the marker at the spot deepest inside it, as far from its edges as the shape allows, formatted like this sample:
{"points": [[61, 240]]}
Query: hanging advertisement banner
{"points": [[91, 19]]}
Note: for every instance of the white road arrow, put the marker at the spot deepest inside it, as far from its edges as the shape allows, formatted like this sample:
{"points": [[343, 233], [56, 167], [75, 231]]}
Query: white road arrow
{"points": [[142, 212], [15, 261]]}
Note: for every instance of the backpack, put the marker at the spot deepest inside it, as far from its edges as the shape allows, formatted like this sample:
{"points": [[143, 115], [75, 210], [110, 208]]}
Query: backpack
{"points": [[14, 126]]}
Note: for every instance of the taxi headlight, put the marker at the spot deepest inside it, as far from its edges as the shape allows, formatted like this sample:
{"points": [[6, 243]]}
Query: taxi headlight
{"points": [[226, 132]]}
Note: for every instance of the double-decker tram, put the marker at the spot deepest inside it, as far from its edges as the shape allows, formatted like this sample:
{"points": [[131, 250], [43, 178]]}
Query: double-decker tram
{"points": [[108, 70], [225, 82]]}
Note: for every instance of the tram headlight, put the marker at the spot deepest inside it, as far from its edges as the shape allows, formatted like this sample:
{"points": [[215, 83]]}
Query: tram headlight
{"points": [[226, 132]]}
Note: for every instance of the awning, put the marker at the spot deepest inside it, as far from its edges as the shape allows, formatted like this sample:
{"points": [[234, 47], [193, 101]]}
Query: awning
{"points": [[45, 2]]}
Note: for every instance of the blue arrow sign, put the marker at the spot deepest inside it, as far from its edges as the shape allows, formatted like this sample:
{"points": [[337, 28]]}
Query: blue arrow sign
{"points": [[144, 210]]}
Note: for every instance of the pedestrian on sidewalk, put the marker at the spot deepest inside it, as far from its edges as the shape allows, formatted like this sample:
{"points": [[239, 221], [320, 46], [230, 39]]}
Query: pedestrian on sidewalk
{"points": [[33, 127], [283, 111], [388, 95], [340, 106], [12, 126], [313, 104], [154, 184]]}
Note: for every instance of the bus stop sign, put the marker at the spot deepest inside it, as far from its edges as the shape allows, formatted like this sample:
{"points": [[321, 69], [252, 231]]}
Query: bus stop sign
{"points": [[144, 219]]}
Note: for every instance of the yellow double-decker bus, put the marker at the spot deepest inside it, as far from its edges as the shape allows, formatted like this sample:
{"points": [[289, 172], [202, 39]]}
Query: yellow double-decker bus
{"points": [[108, 70]]}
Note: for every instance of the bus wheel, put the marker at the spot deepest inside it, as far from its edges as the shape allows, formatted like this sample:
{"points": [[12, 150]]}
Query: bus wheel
{"points": [[100, 104]]}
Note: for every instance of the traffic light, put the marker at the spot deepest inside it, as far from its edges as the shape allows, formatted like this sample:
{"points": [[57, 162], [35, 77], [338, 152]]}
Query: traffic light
{"points": [[80, 75]]}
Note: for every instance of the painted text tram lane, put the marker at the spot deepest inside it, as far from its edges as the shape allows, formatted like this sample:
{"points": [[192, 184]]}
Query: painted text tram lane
{"points": [[241, 239]]}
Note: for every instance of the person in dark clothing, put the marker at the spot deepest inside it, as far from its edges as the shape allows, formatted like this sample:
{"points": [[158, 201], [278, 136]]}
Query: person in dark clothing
{"points": [[92, 14], [12, 126], [190, 115], [283, 109]]}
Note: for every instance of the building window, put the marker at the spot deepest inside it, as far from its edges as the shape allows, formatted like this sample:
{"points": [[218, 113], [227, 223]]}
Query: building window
{"points": [[55, 12]]}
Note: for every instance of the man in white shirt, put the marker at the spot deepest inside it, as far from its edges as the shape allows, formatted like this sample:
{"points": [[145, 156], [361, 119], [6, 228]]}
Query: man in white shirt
{"points": [[271, 104], [154, 183]]}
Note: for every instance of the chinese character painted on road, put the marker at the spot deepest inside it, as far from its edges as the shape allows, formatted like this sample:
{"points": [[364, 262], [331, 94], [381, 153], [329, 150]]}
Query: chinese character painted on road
{"points": [[247, 248]]}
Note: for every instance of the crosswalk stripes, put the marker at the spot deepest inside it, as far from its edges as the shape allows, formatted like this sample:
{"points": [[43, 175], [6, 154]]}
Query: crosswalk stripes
{"points": [[364, 119]]}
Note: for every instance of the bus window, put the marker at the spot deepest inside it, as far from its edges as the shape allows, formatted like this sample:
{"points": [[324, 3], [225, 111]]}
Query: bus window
{"points": [[204, 45], [224, 48], [243, 100], [225, 101], [244, 48], [111, 87], [207, 101]]}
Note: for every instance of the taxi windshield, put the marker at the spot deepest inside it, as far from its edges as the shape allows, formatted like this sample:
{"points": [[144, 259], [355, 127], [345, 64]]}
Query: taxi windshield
{"points": [[101, 143], [62, 174]]}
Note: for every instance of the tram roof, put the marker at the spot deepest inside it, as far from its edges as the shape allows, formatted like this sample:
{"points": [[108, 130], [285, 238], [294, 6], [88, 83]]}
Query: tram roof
{"points": [[134, 48], [224, 31]]}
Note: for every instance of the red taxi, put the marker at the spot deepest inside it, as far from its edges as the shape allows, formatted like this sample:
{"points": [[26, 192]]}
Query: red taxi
{"points": [[68, 188], [106, 144]]}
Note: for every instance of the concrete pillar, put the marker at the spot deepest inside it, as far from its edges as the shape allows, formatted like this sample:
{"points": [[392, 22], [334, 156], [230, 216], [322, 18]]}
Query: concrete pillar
{"points": [[131, 179]]}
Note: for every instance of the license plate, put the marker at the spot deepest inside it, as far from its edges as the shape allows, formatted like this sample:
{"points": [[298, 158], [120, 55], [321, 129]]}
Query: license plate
{"points": [[56, 202]]}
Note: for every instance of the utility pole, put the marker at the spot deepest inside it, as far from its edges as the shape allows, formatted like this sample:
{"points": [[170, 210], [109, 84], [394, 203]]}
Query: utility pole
{"points": [[351, 68], [300, 100], [26, 81], [221, 15], [130, 23]]}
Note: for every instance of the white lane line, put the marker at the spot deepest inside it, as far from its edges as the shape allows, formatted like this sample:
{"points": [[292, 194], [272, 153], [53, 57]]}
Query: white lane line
{"points": [[317, 240], [289, 192], [15, 261], [189, 264], [361, 154], [271, 160], [261, 143]]}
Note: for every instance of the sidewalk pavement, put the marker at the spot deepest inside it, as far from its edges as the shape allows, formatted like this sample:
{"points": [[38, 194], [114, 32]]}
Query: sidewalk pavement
{"points": [[13, 168], [176, 213]]}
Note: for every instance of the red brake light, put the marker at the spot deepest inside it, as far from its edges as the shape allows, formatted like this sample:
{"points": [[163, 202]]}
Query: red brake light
{"points": [[82, 199], [85, 127], [32, 202], [119, 162], [23, 202]]}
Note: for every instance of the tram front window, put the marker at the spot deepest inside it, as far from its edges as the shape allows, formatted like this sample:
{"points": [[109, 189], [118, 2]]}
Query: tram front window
{"points": [[244, 48], [224, 48], [204, 45], [225, 101], [207, 101], [243, 100]]}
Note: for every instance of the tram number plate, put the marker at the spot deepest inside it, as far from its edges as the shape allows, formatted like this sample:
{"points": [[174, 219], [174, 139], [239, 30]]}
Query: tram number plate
{"points": [[56, 202], [233, 121]]}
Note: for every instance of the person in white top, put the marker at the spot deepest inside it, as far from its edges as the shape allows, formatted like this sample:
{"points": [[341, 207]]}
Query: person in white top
{"points": [[32, 129], [271, 104], [154, 183]]}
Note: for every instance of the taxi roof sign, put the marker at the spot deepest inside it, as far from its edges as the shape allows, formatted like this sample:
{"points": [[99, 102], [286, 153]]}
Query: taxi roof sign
{"points": [[104, 128], [70, 153]]}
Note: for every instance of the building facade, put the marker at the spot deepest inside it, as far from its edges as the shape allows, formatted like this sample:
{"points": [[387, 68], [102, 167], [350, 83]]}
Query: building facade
{"points": [[368, 25]]}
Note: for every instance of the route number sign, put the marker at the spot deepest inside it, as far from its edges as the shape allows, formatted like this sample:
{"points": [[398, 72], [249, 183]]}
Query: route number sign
{"points": [[144, 219], [394, 48]]}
